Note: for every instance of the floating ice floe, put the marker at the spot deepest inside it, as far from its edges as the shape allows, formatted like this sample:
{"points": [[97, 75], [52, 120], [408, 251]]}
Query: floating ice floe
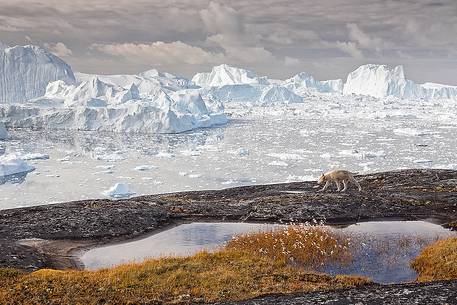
{"points": [[412, 132], [285, 156], [34, 156], [278, 163], [243, 152], [119, 190], [13, 168], [143, 168]]}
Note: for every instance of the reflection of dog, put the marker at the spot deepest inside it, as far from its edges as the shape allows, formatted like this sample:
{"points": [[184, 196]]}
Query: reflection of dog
{"points": [[338, 176]]}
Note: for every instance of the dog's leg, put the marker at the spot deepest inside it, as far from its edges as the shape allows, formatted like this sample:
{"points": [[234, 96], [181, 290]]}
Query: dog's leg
{"points": [[338, 185], [356, 183], [325, 186], [345, 186]]}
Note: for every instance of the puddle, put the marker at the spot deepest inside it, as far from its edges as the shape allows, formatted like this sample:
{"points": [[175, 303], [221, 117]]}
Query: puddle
{"points": [[381, 250]]}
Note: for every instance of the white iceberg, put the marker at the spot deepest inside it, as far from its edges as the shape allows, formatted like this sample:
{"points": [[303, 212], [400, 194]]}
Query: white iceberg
{"points": [[303, 82], [381, 81], [227, 75], [25, 71], [119, 190]]}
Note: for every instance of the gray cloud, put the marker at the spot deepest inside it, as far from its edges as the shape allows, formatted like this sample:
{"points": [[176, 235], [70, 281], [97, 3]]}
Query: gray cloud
{"points": [[278, 38]]}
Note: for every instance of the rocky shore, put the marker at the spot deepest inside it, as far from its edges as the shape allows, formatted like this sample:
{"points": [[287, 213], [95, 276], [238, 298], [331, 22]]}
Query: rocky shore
{"points": [[46, 236]]}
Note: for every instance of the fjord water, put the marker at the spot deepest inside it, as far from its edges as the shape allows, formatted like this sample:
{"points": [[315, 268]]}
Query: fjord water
{"points": [[258, 146], [381, 250]]}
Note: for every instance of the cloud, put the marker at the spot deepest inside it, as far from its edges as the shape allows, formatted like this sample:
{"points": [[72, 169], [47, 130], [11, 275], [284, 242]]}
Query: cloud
{"points": [[262, 35], [159, 53], [58, 49], [219, 18], [364, 39], [350, 48]]}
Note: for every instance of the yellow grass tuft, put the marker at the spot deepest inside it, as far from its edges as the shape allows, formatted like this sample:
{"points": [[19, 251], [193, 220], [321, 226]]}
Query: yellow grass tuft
{"points": [[437, 261], [306, 246]]}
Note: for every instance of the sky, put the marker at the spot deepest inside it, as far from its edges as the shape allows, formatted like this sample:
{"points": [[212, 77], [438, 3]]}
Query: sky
{"points": [[326, 38]]}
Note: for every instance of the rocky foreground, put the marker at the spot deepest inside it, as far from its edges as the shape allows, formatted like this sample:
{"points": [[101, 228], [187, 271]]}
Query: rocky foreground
{"points": [[45, 236]]}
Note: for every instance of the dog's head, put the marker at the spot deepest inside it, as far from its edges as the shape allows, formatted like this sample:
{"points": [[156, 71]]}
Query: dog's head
{"points": [[321, 179]]}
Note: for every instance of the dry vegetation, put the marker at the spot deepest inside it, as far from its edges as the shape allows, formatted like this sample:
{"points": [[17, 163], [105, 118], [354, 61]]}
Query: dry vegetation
{"points": [[303, 245], [437, 261], [233, 273]]}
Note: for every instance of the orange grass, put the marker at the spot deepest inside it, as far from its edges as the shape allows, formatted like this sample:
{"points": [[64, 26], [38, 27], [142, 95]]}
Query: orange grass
{"points": [[306, 246], [437, 261], [205, 277]]}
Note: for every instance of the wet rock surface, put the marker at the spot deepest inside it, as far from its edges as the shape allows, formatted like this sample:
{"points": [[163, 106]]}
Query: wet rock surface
{"points": [[407, 194], [430, 293]]}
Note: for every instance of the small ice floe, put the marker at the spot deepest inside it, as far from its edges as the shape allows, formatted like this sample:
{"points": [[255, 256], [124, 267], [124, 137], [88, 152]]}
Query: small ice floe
{"points": [[64, 159], [13, 169], [190, 153], [285, 156], [278, 163], [165, 155], [107, 171], [145, 167], [183, 174], [106, 167], [100, 154], [243, 152], [423, 161], [193, 176], [3, 132], [34, 156], [294, 178], [374, 154], [119, 190], [412, 132]]}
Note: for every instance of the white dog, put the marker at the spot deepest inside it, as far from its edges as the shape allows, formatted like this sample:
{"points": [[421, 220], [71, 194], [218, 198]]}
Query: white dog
{"points": [[338, 176]]}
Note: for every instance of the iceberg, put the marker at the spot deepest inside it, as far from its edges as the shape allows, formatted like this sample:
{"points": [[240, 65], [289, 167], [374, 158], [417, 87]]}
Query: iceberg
{"points": [[119, 190], [25, 71], [381, 81], [147, 82], [303, 82], [278, 94], [151, 102], [227, 75]]}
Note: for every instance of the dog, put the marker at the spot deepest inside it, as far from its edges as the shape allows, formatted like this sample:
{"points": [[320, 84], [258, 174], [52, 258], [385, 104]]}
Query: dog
{"points": [[338, 176]]}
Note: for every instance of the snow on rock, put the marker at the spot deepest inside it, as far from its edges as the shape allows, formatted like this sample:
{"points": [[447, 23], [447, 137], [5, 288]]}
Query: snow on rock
{"points": [[3, 132], [303, 82], [25, 71], [381, 81], [119, 190], [227, 75], [11, 164]]}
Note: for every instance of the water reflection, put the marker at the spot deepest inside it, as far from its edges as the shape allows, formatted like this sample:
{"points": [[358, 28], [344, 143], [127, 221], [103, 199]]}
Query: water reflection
{"points": [[382, 250]]}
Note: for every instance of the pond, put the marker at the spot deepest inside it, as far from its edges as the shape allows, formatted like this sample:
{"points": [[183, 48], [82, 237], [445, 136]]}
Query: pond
{"points": [[381, 250]]}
